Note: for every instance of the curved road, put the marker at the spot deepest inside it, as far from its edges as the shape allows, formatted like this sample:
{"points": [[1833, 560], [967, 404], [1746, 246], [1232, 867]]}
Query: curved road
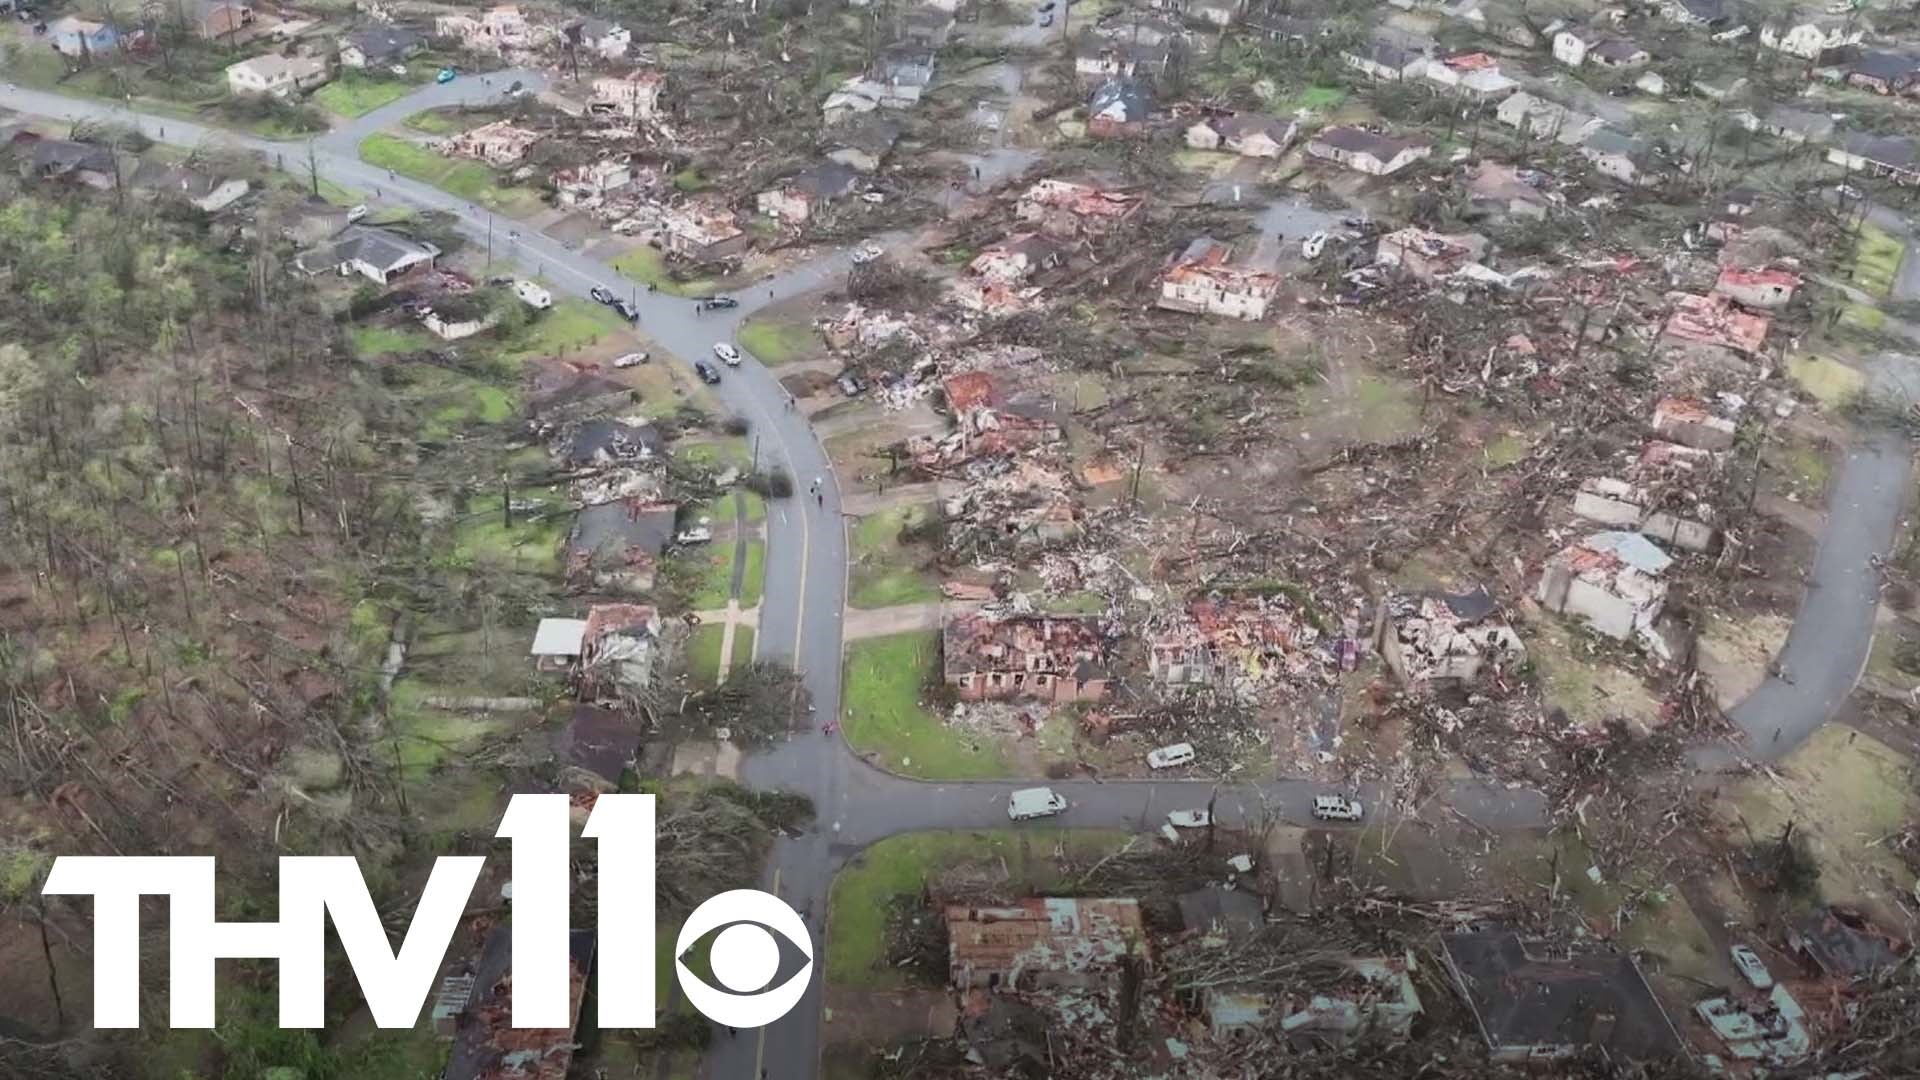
{"points": [[806, 576]]}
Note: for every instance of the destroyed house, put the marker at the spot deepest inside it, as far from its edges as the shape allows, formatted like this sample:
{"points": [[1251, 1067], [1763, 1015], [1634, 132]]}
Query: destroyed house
{"points": [[1059, 658], [1441, 637], [1616, 503], [1891, 157], [618, 543], [998, 418], [1612, 580], [611, 442], [1757, 288], [1365, 151], [634, 95], [1842, 944], [1885, 72], [1225, 640], [863, 145], [499, 144], [1070, 210], [1377, 997], [619, 646], [86, 163], [477, 1004], [1102, 58], [702, 230], [1119, 107], [1428, 255], [1016, 258], [1204, 280], [1690, 423], [807, 192], [1533, 1000], [1714, 321], [1044, 943]]}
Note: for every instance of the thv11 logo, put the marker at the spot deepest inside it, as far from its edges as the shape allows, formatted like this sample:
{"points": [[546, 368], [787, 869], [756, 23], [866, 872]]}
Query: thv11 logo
{"points": [[744, 955]]}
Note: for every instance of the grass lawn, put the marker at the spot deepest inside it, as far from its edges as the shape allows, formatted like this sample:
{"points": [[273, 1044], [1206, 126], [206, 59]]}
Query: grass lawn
{"points": [[1831, 382], [717, 583], [776, 341], [461, 403], [703, 652], [1876, 260], [423, 737], [438, 122], [469, 180], [884, 572], [530, 545], [372, 341], [357, 95], [337, 195], [857, 913], [1320, 97], [568, 326], [648, 266], [885, 713]]}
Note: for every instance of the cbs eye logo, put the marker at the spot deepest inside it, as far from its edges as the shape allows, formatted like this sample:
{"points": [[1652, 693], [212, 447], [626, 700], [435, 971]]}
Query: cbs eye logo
{"points": [[745, 957]]}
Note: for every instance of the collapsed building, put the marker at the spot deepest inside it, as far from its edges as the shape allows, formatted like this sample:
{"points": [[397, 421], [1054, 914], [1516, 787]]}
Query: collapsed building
{"points": [[1045, 943], [1612, 581], [1204, 279], [1059, 658], [1438, 638], [1072, 211], [1231, 643], [1619, 504]]}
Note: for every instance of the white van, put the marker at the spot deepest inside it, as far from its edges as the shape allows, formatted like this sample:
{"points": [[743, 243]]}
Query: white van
{"points": [[533, 295], [1167, 757], [1036, 802], [1336, 808]]}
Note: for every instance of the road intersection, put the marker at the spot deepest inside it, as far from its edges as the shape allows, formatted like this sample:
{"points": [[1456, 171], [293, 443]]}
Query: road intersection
{"points": [[806, 566]]}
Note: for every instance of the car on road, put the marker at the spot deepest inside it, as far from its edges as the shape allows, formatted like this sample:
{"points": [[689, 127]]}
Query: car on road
{"points": [[632, 359], [1038, 802], [718, 303], [1189, 819], [1167, 757], [445, 76], [728, 355], [866, 253], [1747, 962], [601, 294], [698, 534], [707, 372], [1336, 808], [627, 311]]}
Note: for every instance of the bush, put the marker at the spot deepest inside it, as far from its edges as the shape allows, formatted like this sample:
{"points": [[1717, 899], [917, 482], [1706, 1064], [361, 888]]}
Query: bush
{"points": [[771, 484], [736, 425]]}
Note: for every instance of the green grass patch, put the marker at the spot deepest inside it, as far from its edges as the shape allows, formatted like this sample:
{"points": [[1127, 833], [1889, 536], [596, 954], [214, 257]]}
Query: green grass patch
{"points": [[438, 121], [716, 586], [1805, 464], [372, 341], [353, 94], [863, 892], [568, 326], [469, 180], [1876, 259], [885, 714], [1320, 98], [704, 651], [884, 572], [1506, 449], [19, 870], [530, 545], [424, 737], [776, 341], [337, 195], [1862, 317], [1831, 382], [648, 266], [690, 180]]}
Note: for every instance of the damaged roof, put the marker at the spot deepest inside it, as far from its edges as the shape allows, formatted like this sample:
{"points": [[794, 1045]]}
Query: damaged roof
{"points": [[1044, 644], [486, 1045], [1023, 942], [1529, 996]]}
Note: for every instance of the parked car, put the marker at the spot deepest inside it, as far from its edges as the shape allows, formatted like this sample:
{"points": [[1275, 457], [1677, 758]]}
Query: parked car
{"points": [[728, 355], [533, 295], [1336, 808], [718, 303], [601, 295], [356, 212], [1167, 757], [707, 372], [1189, 819], [874, 197], [1750, 967], [627, 311], [698, 534], [866, 253], [1029, 803], [445, 76], [1313, 245], [632, 359]]}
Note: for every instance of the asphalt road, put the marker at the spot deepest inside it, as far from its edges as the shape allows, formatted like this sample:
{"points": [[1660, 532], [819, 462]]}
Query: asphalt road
{"points": [[806, 575]]}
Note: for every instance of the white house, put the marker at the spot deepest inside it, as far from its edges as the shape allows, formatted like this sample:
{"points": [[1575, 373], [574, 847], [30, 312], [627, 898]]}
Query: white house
{"points": [[1807, 35], [1203, 280], [609, 39], [1570, 45], [799, 198], [1610, 580], [1386, 61], [1894, 158], [635, 95], [379, 47], [380, 255], [587, 185], [208, 193], [1246, 134], [1615, 155], [275, 75], [1364, 151]]}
